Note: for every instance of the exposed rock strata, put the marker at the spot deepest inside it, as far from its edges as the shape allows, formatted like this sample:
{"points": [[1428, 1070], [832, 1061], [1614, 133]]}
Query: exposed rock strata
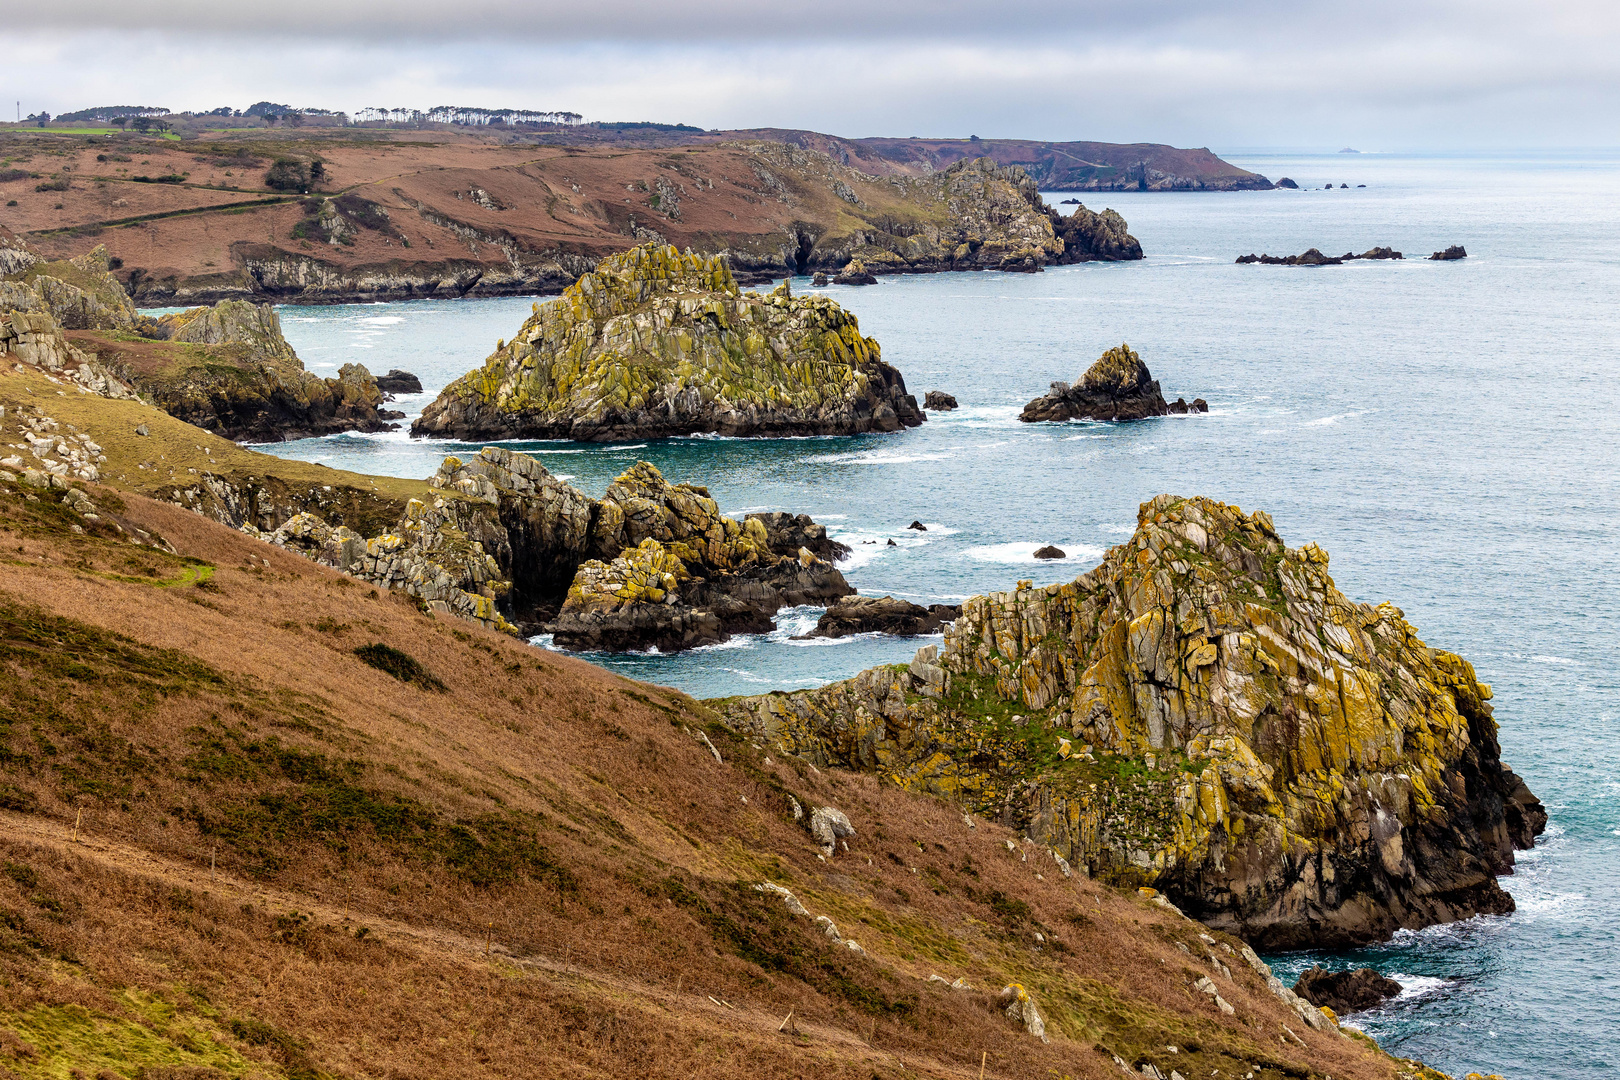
{"points": [[1204, 712], [655, 343], [1117, 387], [650, 564], [884, 615]]}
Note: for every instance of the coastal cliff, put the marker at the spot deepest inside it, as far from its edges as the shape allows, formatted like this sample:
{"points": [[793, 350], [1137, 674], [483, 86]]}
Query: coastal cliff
{"points": [[655, 343], [1206, 713], [464, 219]]}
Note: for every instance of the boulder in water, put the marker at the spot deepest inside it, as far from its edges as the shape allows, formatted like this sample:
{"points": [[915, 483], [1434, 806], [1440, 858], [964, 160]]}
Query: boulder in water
{"points": [[1117, 387], [938, 401], [882, 614], [1346, 991], [399, 382], [1455, 251], [855, 273]]}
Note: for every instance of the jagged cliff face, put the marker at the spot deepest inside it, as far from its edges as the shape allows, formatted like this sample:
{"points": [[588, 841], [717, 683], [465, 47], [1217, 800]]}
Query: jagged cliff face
{"points": [[656, 343], [1205, 712], [78, 293]]}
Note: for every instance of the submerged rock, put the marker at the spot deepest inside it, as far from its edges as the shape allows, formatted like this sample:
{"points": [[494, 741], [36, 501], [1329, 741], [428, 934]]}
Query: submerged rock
{"points": [[938, 401], [1206, 713], [655, 343], [1345, 991], [882, 614], [1117, 387]]}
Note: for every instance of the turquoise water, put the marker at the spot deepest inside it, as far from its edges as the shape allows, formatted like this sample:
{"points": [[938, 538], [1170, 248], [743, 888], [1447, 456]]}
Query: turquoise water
{"points": [[1446, 430]]}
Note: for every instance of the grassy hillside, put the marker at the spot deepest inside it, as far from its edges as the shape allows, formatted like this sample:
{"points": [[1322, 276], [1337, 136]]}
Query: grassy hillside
{"points": [[261, 820]]}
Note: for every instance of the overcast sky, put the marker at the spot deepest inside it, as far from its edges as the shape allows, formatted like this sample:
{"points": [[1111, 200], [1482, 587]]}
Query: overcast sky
{"points": [[1376, 74]]}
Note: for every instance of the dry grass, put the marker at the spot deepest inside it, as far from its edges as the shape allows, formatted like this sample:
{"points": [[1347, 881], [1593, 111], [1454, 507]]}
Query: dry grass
{"points": [[290, 863]]}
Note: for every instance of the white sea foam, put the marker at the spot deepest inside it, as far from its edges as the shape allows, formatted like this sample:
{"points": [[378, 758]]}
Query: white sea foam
{"points": [[872, 457], [1416, 986], [382, 320], [1555, 660], [1019, 552], [1326, 421]]}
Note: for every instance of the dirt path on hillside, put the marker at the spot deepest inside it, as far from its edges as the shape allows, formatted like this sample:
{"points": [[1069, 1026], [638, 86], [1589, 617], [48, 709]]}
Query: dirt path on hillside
{"points": [[447, 944]]}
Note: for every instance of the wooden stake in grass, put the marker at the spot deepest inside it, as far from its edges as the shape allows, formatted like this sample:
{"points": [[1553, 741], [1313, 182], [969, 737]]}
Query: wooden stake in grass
{"points": [[489, 933], [783, 1025], [213, 861], [984, 1056], [76, 821]]}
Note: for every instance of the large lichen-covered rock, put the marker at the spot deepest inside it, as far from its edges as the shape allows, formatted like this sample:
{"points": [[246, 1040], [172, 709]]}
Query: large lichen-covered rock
{"points": [[1207, 713], [656, 343], [1117, 387], [32, 337]]}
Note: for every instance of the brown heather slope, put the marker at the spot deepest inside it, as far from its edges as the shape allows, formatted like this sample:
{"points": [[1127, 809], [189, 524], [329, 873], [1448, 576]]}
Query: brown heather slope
{"points": [[234, 846], [452, 213]]}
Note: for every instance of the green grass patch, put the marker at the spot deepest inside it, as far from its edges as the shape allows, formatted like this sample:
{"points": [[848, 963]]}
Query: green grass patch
{"points": [[65, 1042]]}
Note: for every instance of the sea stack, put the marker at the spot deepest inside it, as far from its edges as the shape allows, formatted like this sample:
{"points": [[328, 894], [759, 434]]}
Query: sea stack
{"points": [[656, 343], [1117, 387], [1207, 714]]}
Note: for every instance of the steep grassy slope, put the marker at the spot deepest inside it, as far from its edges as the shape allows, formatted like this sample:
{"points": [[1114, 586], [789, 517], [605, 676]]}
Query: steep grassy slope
{"points": [[261, 820]]}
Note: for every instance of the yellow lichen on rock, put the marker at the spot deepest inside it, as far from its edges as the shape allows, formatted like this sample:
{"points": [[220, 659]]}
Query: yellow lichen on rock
{"points": [[1284, 761], [656, 342]]}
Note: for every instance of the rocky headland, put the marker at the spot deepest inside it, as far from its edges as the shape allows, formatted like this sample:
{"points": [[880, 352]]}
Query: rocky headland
{"points": [[1117, 387], [225, 368], [502, 542], [1314, 257], [1204, 713], [656, 343]]}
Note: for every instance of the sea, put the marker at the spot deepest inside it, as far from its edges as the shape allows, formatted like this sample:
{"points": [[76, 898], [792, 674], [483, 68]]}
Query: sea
{"points": [[1448, 431]]}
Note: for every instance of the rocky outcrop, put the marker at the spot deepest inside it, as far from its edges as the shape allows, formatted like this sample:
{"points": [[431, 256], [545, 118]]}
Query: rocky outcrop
{"points": [[655, 343], [1345, 991], [78, 294], [1117, 387], [228, 369], [1314, 257], [33, 338], [398, 382], [882, 615], [1286, 182], [855, 273], [649, 565], [685, 575], [1455, 251], [938, 401], [1092, 237], [1203, 712], [1051, 551]]}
